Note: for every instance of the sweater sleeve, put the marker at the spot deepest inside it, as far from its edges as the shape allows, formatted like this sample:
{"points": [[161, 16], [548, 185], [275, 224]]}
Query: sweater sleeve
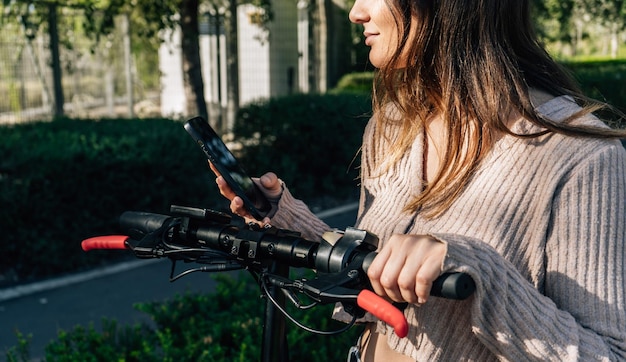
{"points": [[294, 215], [582, 314]]}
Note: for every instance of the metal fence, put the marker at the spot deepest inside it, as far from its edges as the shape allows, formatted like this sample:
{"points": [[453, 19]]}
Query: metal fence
{"points": [[96, 77]]}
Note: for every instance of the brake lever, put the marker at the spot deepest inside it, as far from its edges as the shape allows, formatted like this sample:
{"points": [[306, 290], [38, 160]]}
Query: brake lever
{"points": [[384, 311], [366, 300], [339, 287]]}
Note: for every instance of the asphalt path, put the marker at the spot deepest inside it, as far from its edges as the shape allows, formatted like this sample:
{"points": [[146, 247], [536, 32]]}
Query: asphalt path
{"points": [[41, 310]]}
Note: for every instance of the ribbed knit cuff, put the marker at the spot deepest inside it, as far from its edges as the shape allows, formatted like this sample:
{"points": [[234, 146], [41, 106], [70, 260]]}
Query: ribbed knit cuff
{"points": [[294, 215]]}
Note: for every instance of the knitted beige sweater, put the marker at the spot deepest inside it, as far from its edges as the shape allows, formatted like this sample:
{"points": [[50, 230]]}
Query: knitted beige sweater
{"points": [[541, 228]]}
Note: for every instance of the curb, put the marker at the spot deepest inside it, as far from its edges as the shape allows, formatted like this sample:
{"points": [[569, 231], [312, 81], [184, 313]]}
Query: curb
{"points": [[28, 289], [337, 210], [32, 288]]}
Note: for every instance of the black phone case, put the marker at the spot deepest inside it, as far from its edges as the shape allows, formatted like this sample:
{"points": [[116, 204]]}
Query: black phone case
{"points": [[226, 163]]}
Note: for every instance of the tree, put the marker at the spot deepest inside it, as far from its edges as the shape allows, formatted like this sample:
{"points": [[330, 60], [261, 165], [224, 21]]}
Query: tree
{"points": [[167, 14], [192, 66], [555, 20], [30, 16], [155, 17], [571, 21], [101, 14], [612, 15]]}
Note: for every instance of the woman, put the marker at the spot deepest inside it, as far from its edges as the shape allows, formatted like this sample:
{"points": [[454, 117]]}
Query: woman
{"points": [[483, 157]]}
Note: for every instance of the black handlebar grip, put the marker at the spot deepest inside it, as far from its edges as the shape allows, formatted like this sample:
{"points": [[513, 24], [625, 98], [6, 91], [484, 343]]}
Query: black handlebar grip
{"points": [[457, 286], [453, 286], [137, 223]]}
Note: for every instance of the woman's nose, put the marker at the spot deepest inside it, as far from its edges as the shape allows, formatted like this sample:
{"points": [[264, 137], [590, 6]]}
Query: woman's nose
{"points": [[357, 14]]}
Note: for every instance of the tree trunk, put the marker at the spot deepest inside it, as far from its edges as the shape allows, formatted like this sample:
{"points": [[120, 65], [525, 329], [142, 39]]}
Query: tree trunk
{"points": [[232, 66], [614, 40], [338, 40], [192, 67], [321, 53], [56, 61], [128, 66]]}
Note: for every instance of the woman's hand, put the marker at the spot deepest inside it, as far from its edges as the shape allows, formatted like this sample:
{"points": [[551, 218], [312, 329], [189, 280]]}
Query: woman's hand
{"points": [[404, 270], [269, 184]]}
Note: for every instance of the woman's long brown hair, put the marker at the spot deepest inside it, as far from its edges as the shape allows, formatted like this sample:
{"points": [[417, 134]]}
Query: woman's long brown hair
{"points": [[472, 63]]}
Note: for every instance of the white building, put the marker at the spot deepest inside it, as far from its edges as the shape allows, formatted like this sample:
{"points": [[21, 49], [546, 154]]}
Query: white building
{"points": [[273, 61]]}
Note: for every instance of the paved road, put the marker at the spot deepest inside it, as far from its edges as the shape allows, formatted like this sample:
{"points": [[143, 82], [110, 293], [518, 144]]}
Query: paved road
{"points": [[42, 310]]}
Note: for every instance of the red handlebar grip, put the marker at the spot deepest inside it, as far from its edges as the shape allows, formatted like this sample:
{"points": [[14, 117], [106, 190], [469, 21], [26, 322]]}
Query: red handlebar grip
{"points": [[105, 242], [384, 310]]}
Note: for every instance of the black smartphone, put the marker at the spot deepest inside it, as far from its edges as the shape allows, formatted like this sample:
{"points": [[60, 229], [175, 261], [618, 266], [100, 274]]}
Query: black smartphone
{"points": [[226, 163]]}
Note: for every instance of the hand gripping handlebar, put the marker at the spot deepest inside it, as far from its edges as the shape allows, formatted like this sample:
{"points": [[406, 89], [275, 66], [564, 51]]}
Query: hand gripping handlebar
{"points": [[340, 259]]}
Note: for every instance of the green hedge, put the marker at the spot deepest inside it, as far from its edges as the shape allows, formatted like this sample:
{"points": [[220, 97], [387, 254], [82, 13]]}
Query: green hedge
{"points": [[222, 326], [67, 180], [604, 80], [355, 83]]}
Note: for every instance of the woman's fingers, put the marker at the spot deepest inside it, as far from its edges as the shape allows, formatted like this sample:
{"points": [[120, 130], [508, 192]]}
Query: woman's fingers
{"points": [[407, 284], [389, 277], [269, 184], [222, 185], [429, 271], [406, 267], [376, 269], [215, 171]]}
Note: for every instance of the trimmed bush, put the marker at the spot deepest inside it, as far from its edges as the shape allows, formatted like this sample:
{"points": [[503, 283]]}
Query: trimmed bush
{"points": [[64, 181], [355, 83], [602, 80], [606, 82], [112, 343], [223, 326]]}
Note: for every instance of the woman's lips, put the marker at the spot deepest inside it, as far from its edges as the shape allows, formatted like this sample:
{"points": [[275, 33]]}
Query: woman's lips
{"points": [[369, 38]]}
